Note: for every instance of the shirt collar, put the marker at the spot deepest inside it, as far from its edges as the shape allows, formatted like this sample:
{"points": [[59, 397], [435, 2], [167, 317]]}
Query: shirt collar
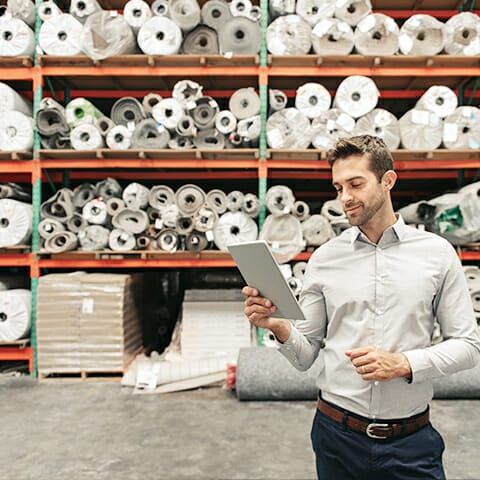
{"points": [[393, 234]]}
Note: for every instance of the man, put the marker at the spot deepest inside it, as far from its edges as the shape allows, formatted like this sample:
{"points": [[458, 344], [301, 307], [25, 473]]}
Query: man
{"points": [[370, 298]]}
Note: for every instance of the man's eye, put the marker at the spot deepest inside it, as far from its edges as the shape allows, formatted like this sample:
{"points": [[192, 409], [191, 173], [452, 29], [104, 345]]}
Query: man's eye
{"points": [[356, 185]]}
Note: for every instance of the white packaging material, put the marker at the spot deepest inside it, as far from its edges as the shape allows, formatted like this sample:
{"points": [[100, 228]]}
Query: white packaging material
{"points": [[16, 38], [312, 99], [461, 129], [332, 36], [11, 100], [377, 34], [16, 131], [380, 123], [352, 11], [16, 222], [356, 96], [438, 99], [15, 306], [421, 35], [23, 10], [289, 35], [290, 129], [136, 13], [82, 9], [421, 130], [462, 34], [60, 36], [48, 10], [160, 36], [312, 11]]}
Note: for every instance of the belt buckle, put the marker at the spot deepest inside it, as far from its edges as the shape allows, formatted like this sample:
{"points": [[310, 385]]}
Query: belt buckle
{"points": [[373, 425]]}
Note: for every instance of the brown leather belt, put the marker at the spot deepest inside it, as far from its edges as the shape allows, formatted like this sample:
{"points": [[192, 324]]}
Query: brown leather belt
{"points": [[379, 430]]}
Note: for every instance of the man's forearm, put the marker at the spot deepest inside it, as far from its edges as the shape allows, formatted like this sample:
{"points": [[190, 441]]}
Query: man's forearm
{"points": [[281, 329]]}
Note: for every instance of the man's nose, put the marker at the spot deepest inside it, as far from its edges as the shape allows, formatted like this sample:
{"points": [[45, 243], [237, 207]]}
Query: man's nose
{"points": [[345, 196]]}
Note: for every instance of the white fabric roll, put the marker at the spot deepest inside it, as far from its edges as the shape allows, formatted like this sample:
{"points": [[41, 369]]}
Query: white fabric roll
{"points": [[121, 241], [15, 321], [380, 123], [421, 130], [317, 230], [234, 227], [312, 99], [60, 35], [421, 35], [16, 131], [15, 222], [48, 10], [169, 214], [301, 210], [356, 95], [149, 101], [332, 36], [204, 220], [288, 128], [438, 99], [86, 137], [23, 10], [240, 7], [95, 212], [185, 13], [244, 103], [352, 11], [49, 227], [168, 112], [136, 196], [160, 8], [281, 7], [136, 13], [251, 205], [16, 38], [277, 99], [250, 128], [93, 237], [461, 129], [11, 100], [279, 200], [187, 92], [462, 34], [80, 110], [217, 200], [119, 138], [289, 35], [235, 200], [160, 36], [82, 9], [377, 34], [131, 220], [240, 36], [328, 127], [312, 11], [225, 122]]}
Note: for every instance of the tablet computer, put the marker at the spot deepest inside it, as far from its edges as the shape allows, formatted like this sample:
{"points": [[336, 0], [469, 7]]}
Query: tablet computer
{"points": [[259, 269]]}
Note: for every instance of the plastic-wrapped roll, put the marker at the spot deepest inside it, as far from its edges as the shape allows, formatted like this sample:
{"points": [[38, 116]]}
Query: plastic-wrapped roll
{"points": [[329, 127], [250, 129], [149, 101], [215, 13], [136, 13], [204, 112], [16, 131], [105, 35], [279, 200], [76, 223], [16, 38], [160, 8], [15, 306], [217, 200], [196, 242], [131, 220], [380, 123], [332, 36], [240, 7], [356, 95], [119, 138], [289, 35], [251, 205], [108, 188], [225, 122], [317, 230], [168, 240], [418, 212], [51, 118], [352, 11], [86, 137], [461, 129], [235, 200], [60, 206], [136, 196], [204, 219], [301, 210], [82, 9], [288, 128], [209, 140], [48, 10], [240, 36], [190, 198], [60, 35], [83, 194], [95, 212], [377, 34], [93, 238], [15, 222], [180, 143], [438, 99], [11, 100], [114, 205], [185, 13], [168, 112], [421, 130], [279, 8], [201, 40], [61, 242], [160, 196], [299, 269], [80, 110], [244, 103], [312, 11], [462, 34], [121, 241], [104, 124], [283, 234], [421, 35], [49, 227], [234, 227], [127, 111], [277, 99], [23, 10], [312, 99], [149, 134]]}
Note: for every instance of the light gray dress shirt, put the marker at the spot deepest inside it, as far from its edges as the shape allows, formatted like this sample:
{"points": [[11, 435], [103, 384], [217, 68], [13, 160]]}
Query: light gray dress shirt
{"points": [[357, 293]]}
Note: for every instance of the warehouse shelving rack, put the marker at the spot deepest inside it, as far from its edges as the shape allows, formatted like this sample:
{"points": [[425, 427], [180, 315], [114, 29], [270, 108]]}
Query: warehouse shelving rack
{"points": [[136, 75]]}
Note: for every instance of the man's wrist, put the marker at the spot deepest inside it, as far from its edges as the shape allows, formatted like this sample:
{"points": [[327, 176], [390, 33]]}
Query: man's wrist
{"points": [[281, 329]]}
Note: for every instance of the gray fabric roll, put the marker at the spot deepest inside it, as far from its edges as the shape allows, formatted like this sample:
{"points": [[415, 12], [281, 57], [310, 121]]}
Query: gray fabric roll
{"points": [[377, 34], [168, 240], [461, 129], [190, 198], [464, 384], [160, 8], [202, 40], [332, 36], [108, 188], [61, 242], [462, 34], [185, 13], [204, 112], [234, 227], [56, 142], [251, 205], [265, 374], [217, 200], [235, 200], [131, 221], [160, 36], [149, 101], [184, 225], [95, 212], [136, 196], [51, 118], [150, 135], [186, 92], [160, 196], [312, 11], [421, 130], [127, 110], [277, 99], [240, 35], [380, 123], [301, 210], [49, 227], [196, 242], [93, 237], [353, 11], [225, 122], [421, 35], [317, 230], [119, 138], [279, 200], [288, 128], [14, 191], [114, 205], [209, 140], [76, 223], [180, 143], [281, 7], [244, 103], [215, 13], [121, 241], [104, 125], [59, 207], [289, 35], [204, 219]]}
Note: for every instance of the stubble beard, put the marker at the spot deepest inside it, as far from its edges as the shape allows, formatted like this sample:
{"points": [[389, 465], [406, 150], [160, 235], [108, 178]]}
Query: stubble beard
{"points": [[368, 212]]}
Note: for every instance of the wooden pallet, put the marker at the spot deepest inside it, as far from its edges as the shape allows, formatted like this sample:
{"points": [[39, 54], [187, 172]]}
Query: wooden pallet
{"points": [[15, 250], [20, 155], [25, 342], [16, 62], [80, 376]]}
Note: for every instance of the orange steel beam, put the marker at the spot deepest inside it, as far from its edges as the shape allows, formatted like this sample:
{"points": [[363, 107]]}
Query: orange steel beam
{"points": [[17, 73], [172, 262], [16, 166], [12, 353], [15, 259]]}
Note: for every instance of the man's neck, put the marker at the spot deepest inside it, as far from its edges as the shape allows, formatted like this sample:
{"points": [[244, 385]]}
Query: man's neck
{"points": [[374, 231]]}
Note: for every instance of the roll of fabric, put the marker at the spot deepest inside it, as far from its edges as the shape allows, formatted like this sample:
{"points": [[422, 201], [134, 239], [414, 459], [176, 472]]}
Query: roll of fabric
{"points": [[93, 238], [277, 99], [76, 223], [136, 13], [82, 9], [108, 188], [56, 142], [11, 100], [95, 212], [51, 118], [380, 123], [80, 110], [301, 210], [279, 200], [83, 194], [217, 200], [356, 96], [136, 196], [461, 129], [185, 13], [15, 306], [255, 13], [288, 128], [15, 191], [114, 205], [59, 207], [23, 10], [312, 11], [331, 36], [333, 211], [235, 140], [168, 240], [196, 242], [472, 274], [421, 130], [251, 205], [235, 200], [462, 34], [149, 101], [209, 140], [317, 230], [202, 40], [180, 143], [186, 127], [244, 103], [86, 137], [289, 35], [215, 13], [190, 198], [168, 112], [16, 131], [48, 10], [279, 8], [121, 241], [15, 222], [330, 126], [225, 122], [60, 35], [143, 242], [299, 269], [205, 219], [250, 129], [377, 34], [421, 35], [234, 227], [49, 227], [160, 8], [239, 36], [16, 38], [61, 242], [150, 135], [352, 11], [438, 99], [161, 195], [187, 92], [127, 111], [104, 124], [312, 99], [119, 138], [240, 7], [204, 112], [131, 220], [184, 225], [106, 34]]}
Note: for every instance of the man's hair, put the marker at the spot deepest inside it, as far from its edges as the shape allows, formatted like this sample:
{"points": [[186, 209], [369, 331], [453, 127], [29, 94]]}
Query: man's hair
{"points": [[374, 148]]}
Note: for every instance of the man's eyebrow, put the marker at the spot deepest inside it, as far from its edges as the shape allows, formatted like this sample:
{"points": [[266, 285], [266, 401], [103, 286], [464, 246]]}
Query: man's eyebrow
{"points": [[351, 179]]}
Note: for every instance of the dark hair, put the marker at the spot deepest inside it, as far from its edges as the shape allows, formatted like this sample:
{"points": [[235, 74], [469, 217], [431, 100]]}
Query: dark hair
{"points": [[374, 148]]}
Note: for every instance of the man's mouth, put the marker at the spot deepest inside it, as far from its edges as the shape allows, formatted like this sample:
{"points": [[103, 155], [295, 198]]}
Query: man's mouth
{"points": [[352, 209]]}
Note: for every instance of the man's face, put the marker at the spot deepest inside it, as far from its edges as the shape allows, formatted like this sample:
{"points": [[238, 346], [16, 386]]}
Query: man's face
{"points": [[358, 189]]}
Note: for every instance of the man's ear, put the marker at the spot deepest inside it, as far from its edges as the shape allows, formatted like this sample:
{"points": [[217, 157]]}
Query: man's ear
{"points": [[389, 179]]}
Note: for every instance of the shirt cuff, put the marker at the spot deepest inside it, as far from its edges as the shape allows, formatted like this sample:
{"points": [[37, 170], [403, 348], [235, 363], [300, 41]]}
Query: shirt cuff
{"points": [[420, 364]]}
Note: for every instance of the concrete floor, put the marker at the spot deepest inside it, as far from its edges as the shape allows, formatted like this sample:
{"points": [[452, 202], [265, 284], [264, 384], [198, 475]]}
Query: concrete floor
{"points": [[59, 430]]}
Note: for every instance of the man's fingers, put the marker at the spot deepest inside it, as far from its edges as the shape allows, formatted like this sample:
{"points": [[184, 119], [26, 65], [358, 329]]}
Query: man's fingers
{"points": [[250, 291], [258, 301], [358, 352]]}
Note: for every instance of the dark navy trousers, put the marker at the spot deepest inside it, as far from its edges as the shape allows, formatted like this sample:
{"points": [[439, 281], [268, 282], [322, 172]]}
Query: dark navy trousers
{"points": [[345, 454]]}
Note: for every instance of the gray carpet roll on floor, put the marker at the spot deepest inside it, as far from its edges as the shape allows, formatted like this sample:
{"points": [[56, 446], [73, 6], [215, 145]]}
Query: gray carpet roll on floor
{"points": [[93, 238], [95, 212], [167, 240], [265, 374], [120, 240], [217, 200], [240, 35], [131, 221], [49, 227], [251, 205], [51, 118], [127, 110], [301, 210], [210, 139], [136, 196], [76, 223], [279, 200], [353, 11], [190, 198], [114, 205], [215, 13], [235, 200], [149, 135], [108, 188], [204, 112], [464, 384], [60, 206], [225, 122], [149, 101], [161, 195], [196, 241], [202, 40], [104, 124], [289, 35], [61, 242], [83, 194], [244, 103], [185, 13], [160, 8]]}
